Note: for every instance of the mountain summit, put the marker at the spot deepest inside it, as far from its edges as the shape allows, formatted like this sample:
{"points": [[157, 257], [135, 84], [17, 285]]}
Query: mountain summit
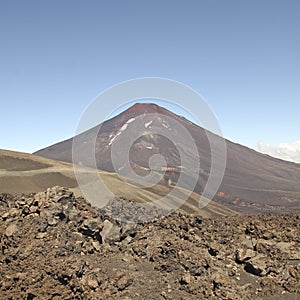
{"points": [[253, 182]]}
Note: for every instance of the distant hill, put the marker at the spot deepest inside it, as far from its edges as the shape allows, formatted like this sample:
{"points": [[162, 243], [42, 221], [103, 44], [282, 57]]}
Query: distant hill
{"points": [[253, 182]]}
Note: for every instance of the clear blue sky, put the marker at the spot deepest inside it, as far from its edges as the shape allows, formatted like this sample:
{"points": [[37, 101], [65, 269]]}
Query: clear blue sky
{"points": [[243, 57]]}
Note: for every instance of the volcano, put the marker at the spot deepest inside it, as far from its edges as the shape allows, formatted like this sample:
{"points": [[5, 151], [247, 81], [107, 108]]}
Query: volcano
{"points": [[253, 182]]}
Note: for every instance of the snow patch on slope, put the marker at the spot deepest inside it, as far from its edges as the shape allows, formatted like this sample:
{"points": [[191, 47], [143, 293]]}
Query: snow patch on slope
{"points": [[148, 124], [124, 127]]}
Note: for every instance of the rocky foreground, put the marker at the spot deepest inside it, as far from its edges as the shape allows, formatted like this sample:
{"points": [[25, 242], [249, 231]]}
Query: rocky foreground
{"points": [[56, 246]]}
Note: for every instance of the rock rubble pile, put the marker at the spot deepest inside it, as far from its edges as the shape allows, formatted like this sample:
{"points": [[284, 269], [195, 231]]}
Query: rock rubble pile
{"points": [[56, 246]]}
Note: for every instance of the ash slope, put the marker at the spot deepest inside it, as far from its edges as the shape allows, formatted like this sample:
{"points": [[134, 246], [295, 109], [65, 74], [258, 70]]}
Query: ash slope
{"points": [[56, 246], [26, 173], [253, 182]]}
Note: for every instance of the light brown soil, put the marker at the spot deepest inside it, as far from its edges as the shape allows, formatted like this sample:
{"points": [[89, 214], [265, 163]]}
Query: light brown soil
{"points": [[20, 164]]}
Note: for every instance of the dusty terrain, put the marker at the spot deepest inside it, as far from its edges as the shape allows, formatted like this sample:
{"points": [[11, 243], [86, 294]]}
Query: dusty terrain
{"points": [[27, 173], [56, 246]]}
